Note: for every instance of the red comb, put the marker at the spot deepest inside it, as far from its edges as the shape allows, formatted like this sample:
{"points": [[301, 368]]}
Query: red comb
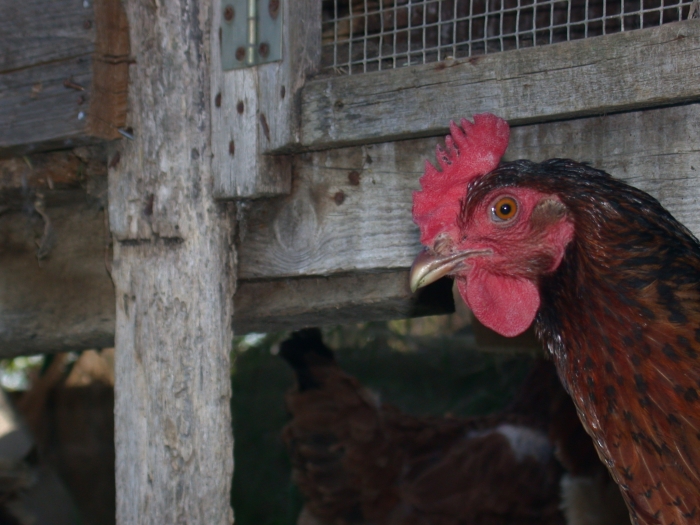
{"points": [[470, 150]]}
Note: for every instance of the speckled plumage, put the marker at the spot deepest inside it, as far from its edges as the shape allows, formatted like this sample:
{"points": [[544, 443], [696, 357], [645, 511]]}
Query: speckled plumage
{"points": [[621, 317]]}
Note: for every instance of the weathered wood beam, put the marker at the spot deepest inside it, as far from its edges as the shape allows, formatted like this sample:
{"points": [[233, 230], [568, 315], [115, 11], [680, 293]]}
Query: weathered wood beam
{"points": [[174, 277], [64, 302], [652, 149], [290, 304], [55, 290], [350, 209], [625, 71], [63, 73]]}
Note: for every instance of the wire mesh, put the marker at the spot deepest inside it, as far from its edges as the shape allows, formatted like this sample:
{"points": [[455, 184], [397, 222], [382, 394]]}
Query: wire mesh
{"points": [[360, 36]]}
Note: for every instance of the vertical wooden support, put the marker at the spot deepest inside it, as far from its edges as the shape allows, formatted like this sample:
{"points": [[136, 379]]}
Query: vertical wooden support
{"points": [[255, 110], [174, 279]]}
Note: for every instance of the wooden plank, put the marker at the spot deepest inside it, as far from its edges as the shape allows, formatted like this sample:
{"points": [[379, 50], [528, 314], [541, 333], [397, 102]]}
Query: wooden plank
{"points": [[350, 209], [63, 74], [257, 108], [291, 304], [55, 291], [64, 302], [36, 32], [174, 277], [631, 70]]}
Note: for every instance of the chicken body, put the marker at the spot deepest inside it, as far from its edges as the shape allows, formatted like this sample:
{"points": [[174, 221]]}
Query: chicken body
{"points": [[621, 316], [359, 461], [612, 282]]}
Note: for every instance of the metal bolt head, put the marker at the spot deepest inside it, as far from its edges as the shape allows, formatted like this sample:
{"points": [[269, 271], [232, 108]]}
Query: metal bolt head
{"points": [[264, 49], [274, 8], [240, 54], [229, 13]]}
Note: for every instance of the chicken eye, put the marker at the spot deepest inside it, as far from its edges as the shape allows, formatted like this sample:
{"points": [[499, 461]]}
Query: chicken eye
{"points": [[504, 209]]}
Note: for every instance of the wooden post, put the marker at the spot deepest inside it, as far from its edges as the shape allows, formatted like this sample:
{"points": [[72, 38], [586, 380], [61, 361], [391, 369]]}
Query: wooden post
{"points": [[174, 277]]}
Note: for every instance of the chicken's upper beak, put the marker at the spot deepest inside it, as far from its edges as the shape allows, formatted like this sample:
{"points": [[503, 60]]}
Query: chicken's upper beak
{"points": [[429, 267]]}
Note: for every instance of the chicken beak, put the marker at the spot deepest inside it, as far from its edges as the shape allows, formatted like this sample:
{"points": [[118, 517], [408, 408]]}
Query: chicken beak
{"points": [[429, 267]]}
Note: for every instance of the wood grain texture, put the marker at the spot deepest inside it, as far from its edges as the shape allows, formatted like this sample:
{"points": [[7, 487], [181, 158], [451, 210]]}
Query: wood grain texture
{"points": [[110, 79], [37, 32], [636, 69], [66, 301], [291, 304], [256, 109], [63, 73], [173, 273], [55, 291], [350, 209], [39, 112]]}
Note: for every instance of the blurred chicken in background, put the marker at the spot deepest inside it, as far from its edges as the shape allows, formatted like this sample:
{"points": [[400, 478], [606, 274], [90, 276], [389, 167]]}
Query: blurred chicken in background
{"points": [[357, 460]]}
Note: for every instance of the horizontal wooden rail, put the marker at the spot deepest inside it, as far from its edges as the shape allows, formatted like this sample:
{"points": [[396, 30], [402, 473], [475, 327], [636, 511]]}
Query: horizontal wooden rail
{"points": [[350, 209], [335, 251], [612, 73]]}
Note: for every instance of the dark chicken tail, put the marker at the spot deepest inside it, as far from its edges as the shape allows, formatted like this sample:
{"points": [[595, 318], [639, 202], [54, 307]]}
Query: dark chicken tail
{"points": [[303, 350]]}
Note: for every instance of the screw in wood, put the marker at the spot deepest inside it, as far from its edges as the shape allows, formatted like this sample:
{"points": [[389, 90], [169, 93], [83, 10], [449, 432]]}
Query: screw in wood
{"points": [[229, 13], [264, 50], [240, 53]]}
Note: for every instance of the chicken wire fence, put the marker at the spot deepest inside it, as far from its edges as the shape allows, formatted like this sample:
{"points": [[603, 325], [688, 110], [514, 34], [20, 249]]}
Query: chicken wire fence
{"points": [[360, 36]]}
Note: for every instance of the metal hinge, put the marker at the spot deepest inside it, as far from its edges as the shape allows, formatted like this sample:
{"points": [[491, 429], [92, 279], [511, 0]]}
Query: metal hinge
{"points": [[251, 33]]}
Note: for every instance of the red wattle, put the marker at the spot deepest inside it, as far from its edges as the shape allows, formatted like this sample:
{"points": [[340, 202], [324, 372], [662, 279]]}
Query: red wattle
{"points": [[504, 304]]}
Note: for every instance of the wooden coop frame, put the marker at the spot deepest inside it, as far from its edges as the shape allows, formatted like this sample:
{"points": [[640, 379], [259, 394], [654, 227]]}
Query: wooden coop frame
{"points": [[201, 202]]}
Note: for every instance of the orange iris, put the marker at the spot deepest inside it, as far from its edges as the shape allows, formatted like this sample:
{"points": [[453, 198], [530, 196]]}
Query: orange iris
{"points": [[505, 208]]}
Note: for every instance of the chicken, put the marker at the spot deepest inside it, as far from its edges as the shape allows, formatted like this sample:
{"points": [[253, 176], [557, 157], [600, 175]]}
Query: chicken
{"points": [[612, 283], [357, 460]]}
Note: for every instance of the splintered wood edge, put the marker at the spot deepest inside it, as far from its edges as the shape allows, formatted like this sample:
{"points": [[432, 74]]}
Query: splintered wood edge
{"points": [[110, 71]]}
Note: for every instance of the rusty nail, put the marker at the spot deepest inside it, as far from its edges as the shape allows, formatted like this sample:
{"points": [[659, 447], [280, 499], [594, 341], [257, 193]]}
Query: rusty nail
{"points": [[264, 50], [339, 198], [72, 85], [217, 100], [87, 24], [240, 107], [81, 100], [354, 178], [274, 8], [231, 148], [229, 13], [240, 53]]}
